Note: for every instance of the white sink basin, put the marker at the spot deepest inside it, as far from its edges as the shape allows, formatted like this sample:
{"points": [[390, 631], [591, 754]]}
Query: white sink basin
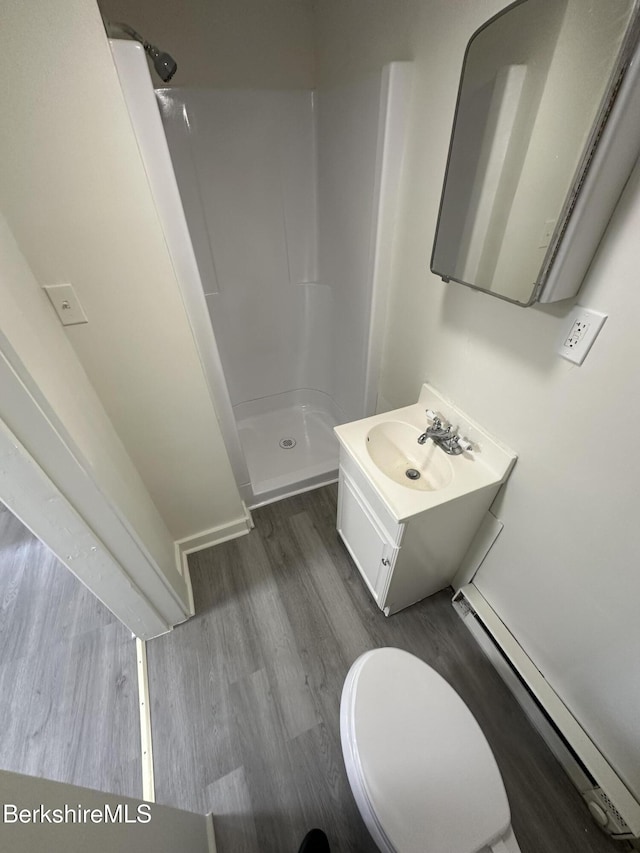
{"points": [[385, 446], [394, 449]]}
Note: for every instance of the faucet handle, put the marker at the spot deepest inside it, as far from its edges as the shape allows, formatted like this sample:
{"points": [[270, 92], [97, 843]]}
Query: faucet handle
{"points": [[438, 422], [464, 444]]}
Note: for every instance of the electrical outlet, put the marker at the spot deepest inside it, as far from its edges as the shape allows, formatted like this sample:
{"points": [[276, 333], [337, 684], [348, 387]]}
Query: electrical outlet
{"points": [[67, 306], [584, 329], [577, 333]]}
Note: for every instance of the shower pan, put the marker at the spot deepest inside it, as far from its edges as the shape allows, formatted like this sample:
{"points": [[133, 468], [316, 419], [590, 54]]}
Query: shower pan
{"points": [[278, 208]]}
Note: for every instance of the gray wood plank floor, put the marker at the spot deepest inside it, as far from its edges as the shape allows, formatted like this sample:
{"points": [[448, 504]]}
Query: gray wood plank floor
{"points": [[245, 696], [68, 678]]}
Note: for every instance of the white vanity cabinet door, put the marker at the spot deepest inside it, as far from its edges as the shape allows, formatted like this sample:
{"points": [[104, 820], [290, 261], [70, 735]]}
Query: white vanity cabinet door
{"points": [[365, 538]]}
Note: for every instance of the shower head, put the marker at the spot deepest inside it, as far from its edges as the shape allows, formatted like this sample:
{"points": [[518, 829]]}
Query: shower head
{"points": [[164, 64]]}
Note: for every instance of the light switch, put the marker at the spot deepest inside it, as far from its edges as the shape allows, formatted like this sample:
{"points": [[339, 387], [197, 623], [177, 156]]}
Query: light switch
{"points": [[64, 300]]}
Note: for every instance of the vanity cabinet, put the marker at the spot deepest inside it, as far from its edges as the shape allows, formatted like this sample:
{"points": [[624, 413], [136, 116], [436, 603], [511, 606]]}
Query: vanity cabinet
{"points": [[372, 547], [402, 562], [408, 509]]}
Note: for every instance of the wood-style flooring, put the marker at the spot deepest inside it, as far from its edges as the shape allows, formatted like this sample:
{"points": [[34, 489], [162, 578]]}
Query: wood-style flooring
{"points": [[245, 697], [68, 679]]}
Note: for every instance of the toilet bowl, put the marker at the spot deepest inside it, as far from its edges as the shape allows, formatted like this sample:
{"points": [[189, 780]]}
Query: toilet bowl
{"points": [[420, 769]]}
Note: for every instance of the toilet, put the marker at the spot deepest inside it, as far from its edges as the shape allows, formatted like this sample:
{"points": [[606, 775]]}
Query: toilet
{"points": [[420, 769]]}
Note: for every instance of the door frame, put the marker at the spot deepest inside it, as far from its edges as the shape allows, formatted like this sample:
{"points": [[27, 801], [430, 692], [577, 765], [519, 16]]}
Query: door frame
{"points": [[46, 481]]}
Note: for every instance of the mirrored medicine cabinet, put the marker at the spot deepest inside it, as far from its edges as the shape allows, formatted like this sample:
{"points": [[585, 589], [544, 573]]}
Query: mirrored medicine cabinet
{"points": [[546, 132]]}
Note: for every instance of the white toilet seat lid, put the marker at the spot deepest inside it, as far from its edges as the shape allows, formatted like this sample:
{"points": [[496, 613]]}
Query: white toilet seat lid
{"points": [[425, 766]]}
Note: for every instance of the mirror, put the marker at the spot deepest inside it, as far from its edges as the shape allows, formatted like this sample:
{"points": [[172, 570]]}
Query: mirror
{"points": [[538, 83]]}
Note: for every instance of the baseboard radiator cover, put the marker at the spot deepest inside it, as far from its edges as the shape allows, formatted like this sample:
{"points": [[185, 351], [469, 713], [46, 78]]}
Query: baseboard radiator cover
{"points": [[610, 802]]}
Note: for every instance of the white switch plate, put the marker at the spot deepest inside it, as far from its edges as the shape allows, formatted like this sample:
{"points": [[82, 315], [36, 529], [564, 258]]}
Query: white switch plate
{"points": [[64, 300], [583, 327]]}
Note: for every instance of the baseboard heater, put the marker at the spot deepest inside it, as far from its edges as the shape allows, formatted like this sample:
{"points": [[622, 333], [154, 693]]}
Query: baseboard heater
{"points": [[609, 800]]}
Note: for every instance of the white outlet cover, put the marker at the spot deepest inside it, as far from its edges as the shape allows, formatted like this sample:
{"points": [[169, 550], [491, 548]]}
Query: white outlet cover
{"points": [[583, 326]]}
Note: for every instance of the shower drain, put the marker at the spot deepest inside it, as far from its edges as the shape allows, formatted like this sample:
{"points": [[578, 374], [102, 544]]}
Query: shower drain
{"points": [[287, 443]]}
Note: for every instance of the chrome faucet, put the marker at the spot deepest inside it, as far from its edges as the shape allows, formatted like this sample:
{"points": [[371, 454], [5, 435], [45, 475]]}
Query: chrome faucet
{"points": [[438, 429], [442, 435]]}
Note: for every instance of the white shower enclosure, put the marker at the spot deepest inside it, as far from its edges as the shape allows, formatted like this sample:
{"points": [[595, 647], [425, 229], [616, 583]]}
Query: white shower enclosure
{"points": [[290, 201]]}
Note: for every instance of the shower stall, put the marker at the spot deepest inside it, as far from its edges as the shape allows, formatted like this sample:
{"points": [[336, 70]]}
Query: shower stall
{"points": [[279, 210]]}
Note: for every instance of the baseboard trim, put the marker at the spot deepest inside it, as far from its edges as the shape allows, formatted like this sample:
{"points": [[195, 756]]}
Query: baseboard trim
{"points": [[148, 779], [211, 836], [572, 745], [209, 538]]}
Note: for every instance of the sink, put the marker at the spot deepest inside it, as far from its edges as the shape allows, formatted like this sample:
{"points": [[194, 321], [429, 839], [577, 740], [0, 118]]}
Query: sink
{"points": [[394, 449], [385, 447]]}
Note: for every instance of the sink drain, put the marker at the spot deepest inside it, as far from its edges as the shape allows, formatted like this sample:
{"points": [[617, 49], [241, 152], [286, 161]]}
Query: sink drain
{"points": [[412, 474], [288, 443]]}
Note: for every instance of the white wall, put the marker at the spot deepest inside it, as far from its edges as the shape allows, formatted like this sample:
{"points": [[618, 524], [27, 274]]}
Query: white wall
{"points": [[227, 43], [76, 197], [567, 562], [32, 335], [570, 541]]}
